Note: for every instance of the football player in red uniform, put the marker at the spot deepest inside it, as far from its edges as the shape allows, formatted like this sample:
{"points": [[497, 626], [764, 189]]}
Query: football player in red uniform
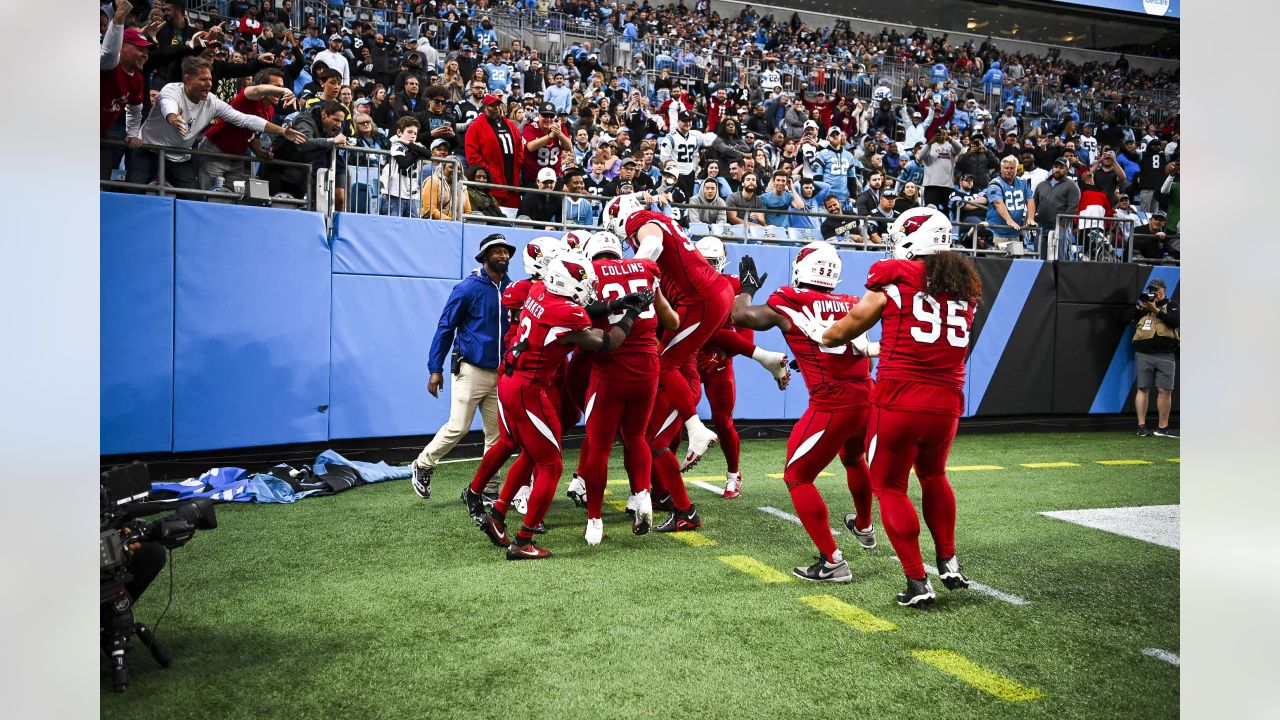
{"points": [[537, 253], [715, 372], [553, 322], [624, 386], [839, 383], [703, 299], [925, 298]]}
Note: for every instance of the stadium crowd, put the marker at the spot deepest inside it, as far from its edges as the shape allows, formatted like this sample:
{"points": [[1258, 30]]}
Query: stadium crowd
{"points": [[735, 120]]}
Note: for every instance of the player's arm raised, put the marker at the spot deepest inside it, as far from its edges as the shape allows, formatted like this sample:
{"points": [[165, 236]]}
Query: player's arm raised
{"points": [[754, 317], [862, 316], [649, 238]]}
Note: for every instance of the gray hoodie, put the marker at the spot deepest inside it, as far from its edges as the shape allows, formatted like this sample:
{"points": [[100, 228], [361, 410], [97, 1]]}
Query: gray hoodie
{"points": [[939, 160]]}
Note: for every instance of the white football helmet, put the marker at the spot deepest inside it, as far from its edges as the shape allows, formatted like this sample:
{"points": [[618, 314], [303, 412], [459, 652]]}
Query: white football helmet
{"points": [[602, 242], [882, 92], [539, 251], [571, 275], [615, 213], [817, 264], [713, 250], [919, 232], [577, 239]]}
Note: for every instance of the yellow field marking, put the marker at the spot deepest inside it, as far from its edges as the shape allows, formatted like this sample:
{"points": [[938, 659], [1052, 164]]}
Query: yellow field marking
{"points": [[847, 614], [693, 539], [619, 505], [753, 567], [1042, 466], [1177, 460], [1124, 462], [778, 476], [988, 682], [618, 481], [972, 468]]}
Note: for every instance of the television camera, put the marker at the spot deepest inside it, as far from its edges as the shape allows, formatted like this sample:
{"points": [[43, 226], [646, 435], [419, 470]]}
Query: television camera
{"points": [[124, 537]]}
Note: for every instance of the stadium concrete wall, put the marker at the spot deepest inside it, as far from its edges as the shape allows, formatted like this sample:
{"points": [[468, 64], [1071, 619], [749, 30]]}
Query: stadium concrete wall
{"points": [[227, 327]]}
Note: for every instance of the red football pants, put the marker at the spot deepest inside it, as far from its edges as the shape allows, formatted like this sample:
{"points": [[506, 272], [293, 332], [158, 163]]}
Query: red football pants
{"points": [[816, 439], [722, 395], [665, 475], [532, 418], [617, 404], [698, 323], [897, 441]]}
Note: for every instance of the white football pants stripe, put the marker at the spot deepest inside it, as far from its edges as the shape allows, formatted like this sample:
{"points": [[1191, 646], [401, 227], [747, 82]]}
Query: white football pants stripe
{"points": [[871, 450], [543, 428], [667, 423], [680, 336], [806, 446], [590, 404], [502, 415]]}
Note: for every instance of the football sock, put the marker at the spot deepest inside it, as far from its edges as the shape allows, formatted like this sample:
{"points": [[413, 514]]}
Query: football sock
{"points": [[898, 516], [595, 494], [733, 343], [492, 462], [812, 512], [666, 474], [859, 481], [938, 504]]}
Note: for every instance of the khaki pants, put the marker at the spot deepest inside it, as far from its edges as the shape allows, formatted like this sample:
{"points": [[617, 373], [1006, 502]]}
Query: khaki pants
{"points": [[472, 387]]}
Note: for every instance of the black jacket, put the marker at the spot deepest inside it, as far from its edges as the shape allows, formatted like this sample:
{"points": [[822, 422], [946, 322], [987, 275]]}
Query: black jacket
{"points": [[1170, 315]]}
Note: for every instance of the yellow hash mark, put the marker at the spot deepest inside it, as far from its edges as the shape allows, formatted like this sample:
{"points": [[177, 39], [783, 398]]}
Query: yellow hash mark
{"points": [[618, 481], [754, 568], [778, 476], [619, 505], [954, 663], [1042, 466], [972, 468], [693, 539], [847, 614], [1177, 460], [1124, 462]]}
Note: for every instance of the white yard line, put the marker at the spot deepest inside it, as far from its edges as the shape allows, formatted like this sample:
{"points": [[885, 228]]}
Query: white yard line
{"points": [[1157, 524], [1164, 655], [788, 516], [708, 487]]}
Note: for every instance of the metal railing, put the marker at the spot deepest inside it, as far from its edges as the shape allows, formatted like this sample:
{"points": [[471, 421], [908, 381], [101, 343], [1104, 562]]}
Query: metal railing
{"points": [[368, 171], [159, 183]]}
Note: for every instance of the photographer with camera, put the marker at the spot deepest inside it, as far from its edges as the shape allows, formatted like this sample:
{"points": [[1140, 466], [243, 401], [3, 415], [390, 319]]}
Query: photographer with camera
{"points": [[1155, 348]]}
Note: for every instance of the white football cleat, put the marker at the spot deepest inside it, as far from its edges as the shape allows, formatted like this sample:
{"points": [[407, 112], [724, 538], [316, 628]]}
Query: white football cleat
{"points": [[577, 491], [521, 500], [632, 504], [595, 531], [732, 485], [643, 519], [701, 439], [776, 364]]}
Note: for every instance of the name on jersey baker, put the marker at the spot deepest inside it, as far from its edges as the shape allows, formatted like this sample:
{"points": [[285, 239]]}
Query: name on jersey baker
{"points": [[533, 308]]}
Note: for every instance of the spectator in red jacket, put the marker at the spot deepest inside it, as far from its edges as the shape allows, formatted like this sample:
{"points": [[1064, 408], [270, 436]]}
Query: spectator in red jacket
{"points": [[493, 142], [824, 107]]}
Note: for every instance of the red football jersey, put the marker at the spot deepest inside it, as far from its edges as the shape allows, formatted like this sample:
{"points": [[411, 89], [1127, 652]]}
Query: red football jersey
{"points": [[622, 277], [713, 358], [546, 157], [118, 89], [837, 378], [924, 338], [546, 316], [686, 275], [513, 304]]}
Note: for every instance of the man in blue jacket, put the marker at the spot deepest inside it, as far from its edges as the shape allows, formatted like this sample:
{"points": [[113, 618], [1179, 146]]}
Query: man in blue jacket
{"points": [[473, 324]]}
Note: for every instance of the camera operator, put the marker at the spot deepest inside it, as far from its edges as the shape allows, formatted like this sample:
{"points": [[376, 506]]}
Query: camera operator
{"points": [[1155, 348]]}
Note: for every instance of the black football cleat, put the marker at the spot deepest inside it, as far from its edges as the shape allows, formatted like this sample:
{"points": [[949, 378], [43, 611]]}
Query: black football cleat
{"points": [[496, 529], [421, 480], [526, 551], [663, 502], [541, 529], [475, 505], [919, 594], [824, 571], [681, 521], [950, 575], [1144, 431]]}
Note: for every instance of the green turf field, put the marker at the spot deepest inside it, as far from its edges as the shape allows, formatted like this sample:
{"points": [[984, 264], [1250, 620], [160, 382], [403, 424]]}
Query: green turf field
{"points": [[375, 604]]}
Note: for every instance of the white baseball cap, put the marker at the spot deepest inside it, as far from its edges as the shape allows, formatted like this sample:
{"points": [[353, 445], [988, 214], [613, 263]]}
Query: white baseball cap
{"points": [[546, 174]]}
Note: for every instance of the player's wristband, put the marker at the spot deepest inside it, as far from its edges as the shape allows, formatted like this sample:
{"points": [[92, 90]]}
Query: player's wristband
{"points": [[627, 320], [597, 309]]}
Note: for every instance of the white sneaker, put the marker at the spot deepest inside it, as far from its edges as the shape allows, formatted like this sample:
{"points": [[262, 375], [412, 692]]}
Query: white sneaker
{"points": [[632, 504], [521, 500], [776, 364], [595, 531], [577, 491], [643, 519], [701, 439]]}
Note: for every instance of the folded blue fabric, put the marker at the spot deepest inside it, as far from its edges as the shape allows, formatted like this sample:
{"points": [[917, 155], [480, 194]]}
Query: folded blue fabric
{"points": [[371, 472]]}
